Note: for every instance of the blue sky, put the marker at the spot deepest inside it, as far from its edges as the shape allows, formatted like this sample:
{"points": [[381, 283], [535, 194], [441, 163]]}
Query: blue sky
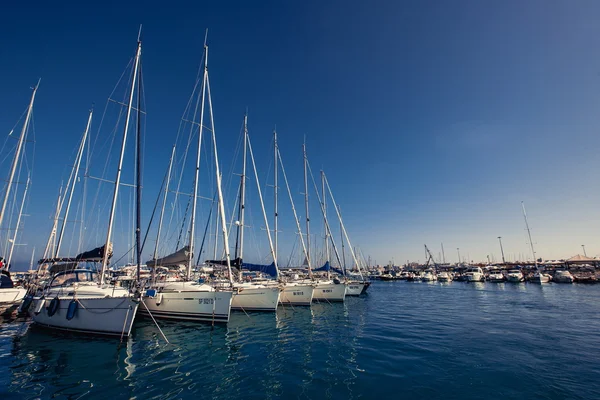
{"points": [[433, 120]]}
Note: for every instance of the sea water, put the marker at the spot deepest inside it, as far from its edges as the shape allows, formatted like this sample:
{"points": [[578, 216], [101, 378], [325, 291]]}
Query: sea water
{"points": [[404, 340]]}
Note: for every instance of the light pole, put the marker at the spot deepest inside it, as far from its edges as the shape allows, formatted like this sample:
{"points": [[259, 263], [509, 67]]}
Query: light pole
{"points": [[501, 249], [583, 247]]}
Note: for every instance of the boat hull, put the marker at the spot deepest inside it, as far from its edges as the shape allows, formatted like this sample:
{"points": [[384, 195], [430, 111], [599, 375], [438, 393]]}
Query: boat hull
{"points": [[255, 299], [11, 296], [354, 288], [198, 306], [105, 316], [329, 292], [297, 295]]}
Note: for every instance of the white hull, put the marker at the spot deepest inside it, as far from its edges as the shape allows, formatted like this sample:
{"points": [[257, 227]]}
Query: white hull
{"points": [[514, 278], [297, 294], [205, 306], [354, 288], [329, 291], [541, 278], [105, 315], [255, 298], [11, 296], [475, 277]]}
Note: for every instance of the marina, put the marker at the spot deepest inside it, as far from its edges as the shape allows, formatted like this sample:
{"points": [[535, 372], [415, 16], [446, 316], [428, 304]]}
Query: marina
{"points": [[326, 200], [435, 340]]}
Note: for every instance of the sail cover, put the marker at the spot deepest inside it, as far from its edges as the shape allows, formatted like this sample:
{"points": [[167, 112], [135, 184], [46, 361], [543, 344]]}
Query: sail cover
{"points": [[267, 269], [93, 255], [328, 267], [236, 262], [180, 257]]}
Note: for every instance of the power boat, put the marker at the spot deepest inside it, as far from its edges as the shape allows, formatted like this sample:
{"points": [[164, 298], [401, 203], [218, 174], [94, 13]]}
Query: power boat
{"points": [[444, 277], [563, 276], [514, 276], [428, 276], [496, 276], [474, 274]]}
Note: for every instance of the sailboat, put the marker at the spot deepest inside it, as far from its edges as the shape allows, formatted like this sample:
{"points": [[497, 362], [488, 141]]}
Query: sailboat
{"points": [[295, 292], [9, 294], [252, 296], [328, 289], [539, 275], [77, 298], [185, 299]]}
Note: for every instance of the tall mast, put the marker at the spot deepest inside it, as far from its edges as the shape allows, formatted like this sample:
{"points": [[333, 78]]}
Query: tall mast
{"points": [[219, 188], [14, 239], [31, 261], [443, 255], [195, 195], [17, 156], [295, 214], [327, 255], [529, 234], [75, 171], [306, 205], [111, 219], [138, 183], [343, 228], [275, 170], [262, 204], [47, 251], [162, 212], [342, 241], [239, 242]]}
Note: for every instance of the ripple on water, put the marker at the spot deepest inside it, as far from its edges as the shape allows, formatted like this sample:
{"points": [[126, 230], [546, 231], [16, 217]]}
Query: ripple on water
{"points": [[409, 340]]}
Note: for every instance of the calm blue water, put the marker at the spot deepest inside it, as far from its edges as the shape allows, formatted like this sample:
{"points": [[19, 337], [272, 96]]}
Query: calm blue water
{"points": [[403, 340]]}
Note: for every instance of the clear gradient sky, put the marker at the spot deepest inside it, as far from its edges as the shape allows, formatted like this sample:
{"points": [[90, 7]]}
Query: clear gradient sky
{"points": [[432, 119]]}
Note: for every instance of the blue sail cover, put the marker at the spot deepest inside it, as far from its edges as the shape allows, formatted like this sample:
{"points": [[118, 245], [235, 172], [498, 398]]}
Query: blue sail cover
{"points": [[328, 267], [267, 269]]}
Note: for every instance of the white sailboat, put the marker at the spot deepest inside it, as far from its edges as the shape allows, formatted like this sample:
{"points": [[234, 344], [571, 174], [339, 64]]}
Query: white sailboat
{"points": [[76, 299], [186, 299], [295, 292], [539, 276], [251, 296], [9, 294]]}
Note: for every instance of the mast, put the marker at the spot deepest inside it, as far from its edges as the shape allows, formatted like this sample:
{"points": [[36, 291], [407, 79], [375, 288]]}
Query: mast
{"points": [[239, 242], [219, 188], [529, 234], [501, 249], [443, 255], [31, 261], [275, 170], [262, 204], [324, 221], [195, 195], [138, 183], [14, 239], [54, 225], [295, 213], [111, 219], [306, 206], [343, 250], [75, 171], [162, 212], [343, 228], [17, 156]]}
